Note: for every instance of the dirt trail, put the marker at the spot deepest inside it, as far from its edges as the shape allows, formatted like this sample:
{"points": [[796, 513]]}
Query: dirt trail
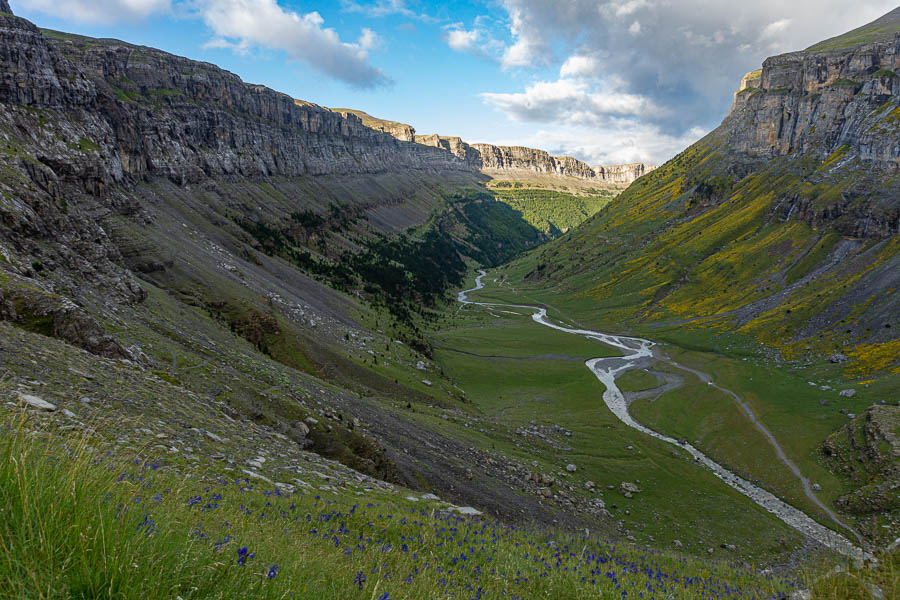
{"points": [[637, 351]]}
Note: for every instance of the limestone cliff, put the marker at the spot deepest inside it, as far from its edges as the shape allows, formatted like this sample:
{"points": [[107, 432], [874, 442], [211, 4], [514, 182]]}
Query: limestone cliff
{"points": [[838, 104], [401, 131], [622, 174]]}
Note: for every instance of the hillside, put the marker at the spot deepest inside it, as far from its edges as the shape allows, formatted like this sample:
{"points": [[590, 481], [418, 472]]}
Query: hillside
{"points": [[236, 360], [770, 248]]}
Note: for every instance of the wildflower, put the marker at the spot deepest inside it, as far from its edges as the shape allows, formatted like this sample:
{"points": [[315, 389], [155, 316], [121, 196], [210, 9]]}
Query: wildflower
{"points": [[273, 571], [244, 554], [360, 579]]}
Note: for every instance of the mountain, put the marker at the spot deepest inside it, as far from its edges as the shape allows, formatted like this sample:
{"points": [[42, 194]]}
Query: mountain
{"points": [[203, 247], [622, 174], [502, 162], [776, 239]]}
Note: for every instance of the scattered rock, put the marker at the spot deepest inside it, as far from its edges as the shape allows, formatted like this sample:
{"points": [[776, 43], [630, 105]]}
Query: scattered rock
{"points": [[677, 543], [848, 393], [875, 591], [589, 485], [838, 358], [627, 489], [800, 595], [571, 468], [429, 497], [36, 402], [467, 510], [311, 421], [426, 382], [816, 487]]}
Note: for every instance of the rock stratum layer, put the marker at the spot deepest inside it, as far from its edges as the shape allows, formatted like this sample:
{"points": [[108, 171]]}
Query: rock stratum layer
{"points": [[623, 174]]}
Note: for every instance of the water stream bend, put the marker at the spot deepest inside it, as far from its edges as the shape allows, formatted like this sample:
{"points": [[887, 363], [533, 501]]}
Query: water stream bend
{"points": [[635, 349]]}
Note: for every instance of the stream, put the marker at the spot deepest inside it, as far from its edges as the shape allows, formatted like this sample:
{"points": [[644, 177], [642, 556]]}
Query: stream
{"points": [[637, 349]]}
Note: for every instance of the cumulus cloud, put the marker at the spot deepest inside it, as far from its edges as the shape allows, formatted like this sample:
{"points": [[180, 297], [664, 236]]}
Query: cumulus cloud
{"points": [[685, 57], [98, 11], [570, 102], [243, 24], [475, 41], [620, 141]]}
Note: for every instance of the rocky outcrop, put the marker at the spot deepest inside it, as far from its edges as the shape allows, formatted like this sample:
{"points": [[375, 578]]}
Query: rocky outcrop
{"points": [[401, 131], [622, 174], [838, 105], [503, 158], [150, 113]]}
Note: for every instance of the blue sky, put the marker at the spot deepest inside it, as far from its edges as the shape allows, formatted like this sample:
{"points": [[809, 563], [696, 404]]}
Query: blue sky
{"points": [[605, 81]]}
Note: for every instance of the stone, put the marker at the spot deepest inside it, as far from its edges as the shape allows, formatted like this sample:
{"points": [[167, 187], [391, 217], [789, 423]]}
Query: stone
{"points": [[838, 358], [677, 543], [627, 488], [571, 468], [427, 383], [800, 595], [36, 402], [214, 437], [589, 485], [431, 497], [874, 591], [847, 393], [301, 428], [311, 421], [816, 487], [421, 365], [68, 413], [468, 511], [545, 492]]}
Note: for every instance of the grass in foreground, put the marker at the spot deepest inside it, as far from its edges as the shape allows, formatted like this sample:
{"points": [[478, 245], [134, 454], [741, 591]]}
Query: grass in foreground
{"points": [[81, 523]]}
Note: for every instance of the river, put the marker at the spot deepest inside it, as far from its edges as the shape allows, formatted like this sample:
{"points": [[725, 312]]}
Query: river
{"points": [[636, 349]]}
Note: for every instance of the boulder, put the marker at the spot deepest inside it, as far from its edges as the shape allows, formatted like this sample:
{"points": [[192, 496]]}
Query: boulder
{"points": [[36, 402]]}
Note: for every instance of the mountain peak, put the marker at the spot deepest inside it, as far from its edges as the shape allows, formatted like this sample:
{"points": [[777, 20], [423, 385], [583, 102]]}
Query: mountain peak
{"points": [[883, 28], [4, 7]]}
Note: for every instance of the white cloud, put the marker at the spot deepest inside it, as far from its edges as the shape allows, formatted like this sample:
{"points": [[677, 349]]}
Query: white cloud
{"points": [[621, 141], [580, 66], [462, 40], [369, 40], [477, 40], [384, 8], [242, 24], [634, 57], [98, 11], [570, 102], [245, 24]]}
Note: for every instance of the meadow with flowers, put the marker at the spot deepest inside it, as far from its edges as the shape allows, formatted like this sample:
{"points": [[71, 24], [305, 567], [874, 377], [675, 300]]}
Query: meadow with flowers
{"points": [[81, 522]]}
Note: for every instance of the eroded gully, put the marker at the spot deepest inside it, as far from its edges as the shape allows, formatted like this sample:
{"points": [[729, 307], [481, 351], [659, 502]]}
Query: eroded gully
{"points": [[637, 350]]}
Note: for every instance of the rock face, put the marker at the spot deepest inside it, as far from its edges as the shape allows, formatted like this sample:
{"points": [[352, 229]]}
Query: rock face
{"points": [[4, 7], [622, 174], [401, 131], [149, 113], [837, 104]]}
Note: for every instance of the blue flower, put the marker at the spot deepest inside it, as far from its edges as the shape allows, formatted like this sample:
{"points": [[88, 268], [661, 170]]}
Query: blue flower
{"points": [[273, 571], [244, 555]]}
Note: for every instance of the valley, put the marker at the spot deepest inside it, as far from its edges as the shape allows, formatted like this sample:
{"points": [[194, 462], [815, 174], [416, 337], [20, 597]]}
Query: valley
{"points": [[283, 349]]}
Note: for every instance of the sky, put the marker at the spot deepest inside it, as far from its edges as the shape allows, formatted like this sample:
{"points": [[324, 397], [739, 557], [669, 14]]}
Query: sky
{"points": [[608, 82]]}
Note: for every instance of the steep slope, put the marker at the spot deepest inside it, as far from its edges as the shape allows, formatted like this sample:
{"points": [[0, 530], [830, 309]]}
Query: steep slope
{"points": [[770, 252], [782, 223], [221, 253]]}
